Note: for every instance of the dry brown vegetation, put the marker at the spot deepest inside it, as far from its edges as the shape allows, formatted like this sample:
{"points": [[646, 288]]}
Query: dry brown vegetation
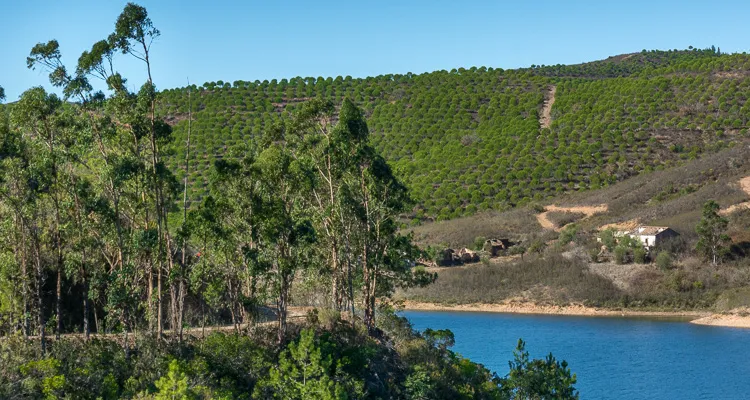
{"points": [[461, 232], [689, 186], [562, 218], [554, 279]]}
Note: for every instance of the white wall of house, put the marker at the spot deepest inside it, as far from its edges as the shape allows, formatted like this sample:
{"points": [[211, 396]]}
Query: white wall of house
{"points": [[648, 240]]}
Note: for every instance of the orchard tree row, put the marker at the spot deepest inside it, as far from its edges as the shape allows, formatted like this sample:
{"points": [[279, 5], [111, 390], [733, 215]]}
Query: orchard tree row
{"points": [[470, 139]]}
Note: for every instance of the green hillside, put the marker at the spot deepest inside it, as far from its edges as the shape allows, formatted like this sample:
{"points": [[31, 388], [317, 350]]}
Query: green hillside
{"points": [[470, 139]]}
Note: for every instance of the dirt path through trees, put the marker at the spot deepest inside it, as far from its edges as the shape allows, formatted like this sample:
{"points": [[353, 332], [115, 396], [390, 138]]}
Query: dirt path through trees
{"points": [[745, 185], [546, 223], [549, 99]]}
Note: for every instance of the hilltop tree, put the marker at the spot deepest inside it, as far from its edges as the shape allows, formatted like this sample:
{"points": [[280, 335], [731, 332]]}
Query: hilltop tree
{"points": [[712, 233]]}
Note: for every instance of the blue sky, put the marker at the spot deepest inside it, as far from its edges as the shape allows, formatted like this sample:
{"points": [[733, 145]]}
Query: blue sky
{"points": [[249, 40]]}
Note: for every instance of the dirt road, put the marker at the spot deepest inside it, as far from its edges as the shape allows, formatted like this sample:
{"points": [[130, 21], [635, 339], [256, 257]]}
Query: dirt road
{"points": [[545, 222], [745, 185], [549, 99]]}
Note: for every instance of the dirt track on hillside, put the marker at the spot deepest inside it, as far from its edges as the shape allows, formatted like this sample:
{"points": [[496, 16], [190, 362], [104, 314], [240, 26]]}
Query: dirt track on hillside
{"points": [[745, 185], [549, 99], [545, 222]]}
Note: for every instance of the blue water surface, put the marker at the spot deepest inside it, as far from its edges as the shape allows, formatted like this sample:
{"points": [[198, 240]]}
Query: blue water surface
{"points": [[613, 358]]}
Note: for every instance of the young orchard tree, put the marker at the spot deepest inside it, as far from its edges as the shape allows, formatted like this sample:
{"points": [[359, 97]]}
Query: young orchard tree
{"points": [[711, 229]]}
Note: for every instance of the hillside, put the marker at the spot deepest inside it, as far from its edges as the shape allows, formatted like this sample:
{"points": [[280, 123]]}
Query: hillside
{"points": [[469, 140], [564, 271], [672, 197]]}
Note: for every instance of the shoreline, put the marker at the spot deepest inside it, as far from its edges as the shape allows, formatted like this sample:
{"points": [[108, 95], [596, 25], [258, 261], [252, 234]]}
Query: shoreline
{"points": [[695, 317]]}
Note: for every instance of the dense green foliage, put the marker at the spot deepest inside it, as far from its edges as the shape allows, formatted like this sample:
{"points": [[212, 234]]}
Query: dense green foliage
{"points": [[95, 230], [713, 240], [470, 139], [335, 362]]}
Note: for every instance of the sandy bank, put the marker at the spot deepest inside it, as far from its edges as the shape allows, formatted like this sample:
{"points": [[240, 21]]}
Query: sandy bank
{"points": [[736, 319], [733, 319], [532, 308]]}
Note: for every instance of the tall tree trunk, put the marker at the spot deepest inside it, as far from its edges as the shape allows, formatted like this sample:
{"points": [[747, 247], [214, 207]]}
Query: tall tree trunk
{"points": [[24, 277], [335, 284], [181, 299], [282, 308], [369, 317], [159, 323], [40, 292], [58, 303], [86, 310]]}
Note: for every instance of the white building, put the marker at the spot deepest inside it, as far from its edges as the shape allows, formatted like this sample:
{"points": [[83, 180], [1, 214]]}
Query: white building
{"points": [[652, 236]]}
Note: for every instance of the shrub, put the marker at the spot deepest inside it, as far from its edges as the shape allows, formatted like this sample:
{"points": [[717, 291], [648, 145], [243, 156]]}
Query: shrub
{"points": [[485, 259], [621, 255], [639, 255], [664, 261], [567, 234], [479, 242], [538, 379], [608, 238]]}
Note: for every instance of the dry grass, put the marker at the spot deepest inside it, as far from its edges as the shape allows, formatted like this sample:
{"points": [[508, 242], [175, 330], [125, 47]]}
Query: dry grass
{"points": [[562, 218], [714, 177], [516, 224], [553, 279]]}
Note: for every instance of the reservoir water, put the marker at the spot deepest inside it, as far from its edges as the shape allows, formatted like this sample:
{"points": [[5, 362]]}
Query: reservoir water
{"points": [[613, 358]]}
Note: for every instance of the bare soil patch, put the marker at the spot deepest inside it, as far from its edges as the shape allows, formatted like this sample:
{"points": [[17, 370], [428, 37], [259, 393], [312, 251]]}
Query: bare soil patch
{"points": [[745, 186]]}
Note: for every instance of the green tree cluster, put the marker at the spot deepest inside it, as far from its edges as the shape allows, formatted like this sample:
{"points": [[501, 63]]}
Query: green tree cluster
{"points": [[339, 362], [94, 215]]}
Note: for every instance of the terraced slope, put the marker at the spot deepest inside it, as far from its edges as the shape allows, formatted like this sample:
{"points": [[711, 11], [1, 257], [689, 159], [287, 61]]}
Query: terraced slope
{"points": [[470, 139]]}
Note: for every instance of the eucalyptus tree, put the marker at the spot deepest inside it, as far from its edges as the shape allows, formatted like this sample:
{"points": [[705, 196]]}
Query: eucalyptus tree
{"points": [[285, 229], [126, 142], [313, 135], [713, 240], [45, 127], [134, 34], [16, 199], [229, 233], [20, 205], [373, 198]]}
